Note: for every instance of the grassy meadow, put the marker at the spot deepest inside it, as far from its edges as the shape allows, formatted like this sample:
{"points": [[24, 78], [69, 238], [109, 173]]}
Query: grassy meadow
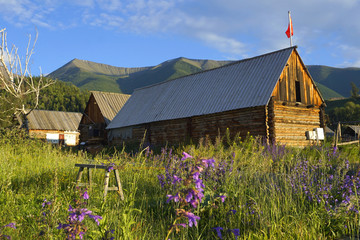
{"points": [[238, 189]]}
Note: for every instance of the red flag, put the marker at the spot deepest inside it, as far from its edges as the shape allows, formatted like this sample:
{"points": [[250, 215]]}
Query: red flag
{"points": [[290, 32]]}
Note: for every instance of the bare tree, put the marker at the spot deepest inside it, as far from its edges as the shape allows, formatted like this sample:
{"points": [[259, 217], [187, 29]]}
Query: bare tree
{"points": [[17, 84]]}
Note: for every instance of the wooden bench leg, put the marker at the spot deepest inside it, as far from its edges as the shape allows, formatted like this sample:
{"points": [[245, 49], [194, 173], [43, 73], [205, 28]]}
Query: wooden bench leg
{"points": [[78, 178], [117, 177], [89, 176], [118, 186], [106, 183]]}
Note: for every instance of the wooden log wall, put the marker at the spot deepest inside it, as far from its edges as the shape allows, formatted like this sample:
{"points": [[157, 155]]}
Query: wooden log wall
{"points": [[295, 71], [87, 134], [94, 118], [290, 122], [92, 113], [243, 121]]}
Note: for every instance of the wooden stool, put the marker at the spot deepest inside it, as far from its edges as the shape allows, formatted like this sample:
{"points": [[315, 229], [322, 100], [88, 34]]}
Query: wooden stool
{"points": [[114, 169]]}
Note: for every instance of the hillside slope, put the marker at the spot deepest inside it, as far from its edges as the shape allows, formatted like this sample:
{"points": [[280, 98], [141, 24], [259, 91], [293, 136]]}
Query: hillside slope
{"points": [[337, 79], [327, 93]]}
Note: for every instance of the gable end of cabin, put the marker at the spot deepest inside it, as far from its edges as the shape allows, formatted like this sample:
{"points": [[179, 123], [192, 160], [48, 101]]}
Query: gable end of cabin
{"points": [[296, 105]]}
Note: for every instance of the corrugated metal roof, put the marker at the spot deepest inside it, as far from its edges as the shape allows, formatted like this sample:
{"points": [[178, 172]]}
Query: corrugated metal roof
{"points": [[355, 128], [245, 83], [53, 120], [110, 103]]}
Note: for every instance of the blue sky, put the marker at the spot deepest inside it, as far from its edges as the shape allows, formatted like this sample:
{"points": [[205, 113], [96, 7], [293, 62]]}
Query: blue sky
{"points": [[138, 33]]}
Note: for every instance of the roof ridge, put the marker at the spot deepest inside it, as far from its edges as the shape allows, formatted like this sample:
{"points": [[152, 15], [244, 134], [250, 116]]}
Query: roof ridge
{"points": [[53, 111], [113, 93]]}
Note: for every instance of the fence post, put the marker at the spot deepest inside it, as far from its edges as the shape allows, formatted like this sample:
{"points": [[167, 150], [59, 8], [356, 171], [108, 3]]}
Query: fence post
{"points": [[338, 134]]}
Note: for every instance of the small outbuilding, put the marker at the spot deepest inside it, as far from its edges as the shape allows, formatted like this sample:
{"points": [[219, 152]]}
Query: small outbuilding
{"points": [[100, 110], [351, 132], [271, 96], [54, 126]]}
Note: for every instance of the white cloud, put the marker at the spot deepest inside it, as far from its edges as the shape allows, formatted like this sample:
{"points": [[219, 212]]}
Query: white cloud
{"points": [[223, 44], [106, 20], [23, 12], [83, 3], [109, 5], [351, 54]]}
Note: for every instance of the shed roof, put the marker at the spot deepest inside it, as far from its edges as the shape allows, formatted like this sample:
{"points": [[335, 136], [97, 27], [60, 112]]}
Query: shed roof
{"points": [[329, 130], [246, 83], [110, 103], [355, 128], [53, 120]]}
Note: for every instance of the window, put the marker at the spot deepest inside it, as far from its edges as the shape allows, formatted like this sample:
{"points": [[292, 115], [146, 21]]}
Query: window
{"points": [[297, 91]]}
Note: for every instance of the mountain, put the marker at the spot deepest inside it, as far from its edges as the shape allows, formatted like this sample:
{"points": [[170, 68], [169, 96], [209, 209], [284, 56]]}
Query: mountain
{"points": [[92, 76], [337, 79], [328, 93], [332, 82], [101, 77]]}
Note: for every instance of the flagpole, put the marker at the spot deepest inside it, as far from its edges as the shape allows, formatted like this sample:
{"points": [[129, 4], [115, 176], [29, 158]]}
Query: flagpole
{"points": [[290, 28]]}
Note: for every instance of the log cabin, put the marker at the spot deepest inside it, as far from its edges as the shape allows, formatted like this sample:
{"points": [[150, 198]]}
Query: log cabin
{"points": [[101, 108], [271, 96], [54, 126]]}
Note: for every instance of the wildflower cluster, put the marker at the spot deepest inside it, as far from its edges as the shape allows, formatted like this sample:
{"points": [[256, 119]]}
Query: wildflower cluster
{"points": [[74, 226], [332, 183], [10, 225], [275, 152], [184, 181], [220, 231], [46, 217], [252, 216]]}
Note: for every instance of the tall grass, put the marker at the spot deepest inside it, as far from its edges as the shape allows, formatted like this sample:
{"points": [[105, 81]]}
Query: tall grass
{"points": [[269, 192]]}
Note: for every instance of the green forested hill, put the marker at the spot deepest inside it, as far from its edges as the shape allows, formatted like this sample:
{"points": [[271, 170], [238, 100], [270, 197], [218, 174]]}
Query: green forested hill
{"points": [[62, 96], [337, 79], [327, 93]]}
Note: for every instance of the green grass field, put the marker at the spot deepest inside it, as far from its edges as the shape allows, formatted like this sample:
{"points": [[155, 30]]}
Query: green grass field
{"points": [[240, 189]]}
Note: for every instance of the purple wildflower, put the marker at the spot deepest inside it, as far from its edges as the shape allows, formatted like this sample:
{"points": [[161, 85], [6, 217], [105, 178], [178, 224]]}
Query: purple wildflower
{"points": [[196, 175], [189, 196], [218, 231], [236, 232], [83, 213], [192, 218], [110, 167], [181, 224], [64, 226], [11, 225], [176, 179], [222, 197], [209, 162], [74, 226], [186, 155], [46, 202], [194, 203], [86, 195], [199, 194], [232, 211], [96, 218], [81, 235], [171, 197], [199, 184], [161, 180]]}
